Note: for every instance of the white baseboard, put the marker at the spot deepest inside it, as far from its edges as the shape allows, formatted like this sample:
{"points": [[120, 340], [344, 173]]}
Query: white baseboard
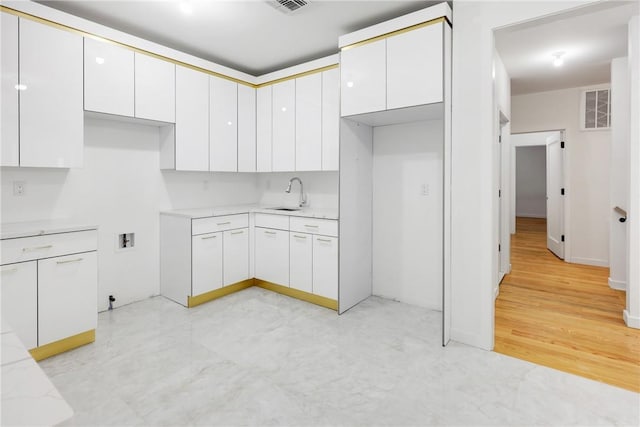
{"points": [[631, 321], [589, 261], [617, 285], [470, 339], [530, 215]]}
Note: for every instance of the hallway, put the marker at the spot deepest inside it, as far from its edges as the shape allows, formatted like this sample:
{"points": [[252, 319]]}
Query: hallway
{"points": [[563, 315]]}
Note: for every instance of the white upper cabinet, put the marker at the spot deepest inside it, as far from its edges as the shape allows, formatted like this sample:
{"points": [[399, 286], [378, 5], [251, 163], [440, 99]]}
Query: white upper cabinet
{"points": [[9, 103], [192, 120], [330, 119], [363, 78], [284, 126], [246, 129], [155, 89], [414, 67], [108, 78], [308, 123], [51, 113], [264, 129], [223, 125]]}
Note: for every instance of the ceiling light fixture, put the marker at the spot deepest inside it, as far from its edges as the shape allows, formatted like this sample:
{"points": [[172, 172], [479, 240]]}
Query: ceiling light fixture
{"points": [[557, 59]]}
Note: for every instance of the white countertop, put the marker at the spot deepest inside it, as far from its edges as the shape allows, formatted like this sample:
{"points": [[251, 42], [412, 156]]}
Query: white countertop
{"points": [[28, 396], [232, 210], [12, 230]]}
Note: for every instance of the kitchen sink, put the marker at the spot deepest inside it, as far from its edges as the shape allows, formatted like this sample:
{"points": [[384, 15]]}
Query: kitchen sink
{"points": [[285, 208]]}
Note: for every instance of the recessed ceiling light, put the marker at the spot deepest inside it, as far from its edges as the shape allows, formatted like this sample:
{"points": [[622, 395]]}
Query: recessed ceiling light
{"points": [[557, 59], [186, 7]]}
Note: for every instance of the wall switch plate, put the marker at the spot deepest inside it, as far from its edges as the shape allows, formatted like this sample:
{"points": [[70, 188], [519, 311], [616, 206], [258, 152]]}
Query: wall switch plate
{"points": [[19, 188]]}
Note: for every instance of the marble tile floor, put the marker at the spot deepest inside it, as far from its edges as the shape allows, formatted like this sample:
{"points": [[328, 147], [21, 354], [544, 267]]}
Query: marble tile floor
{"points": [[260, 358]]}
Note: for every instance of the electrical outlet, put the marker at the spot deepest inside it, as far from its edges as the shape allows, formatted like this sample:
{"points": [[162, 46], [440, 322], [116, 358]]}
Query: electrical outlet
{"points": [[19, 188], [425, 189], [125, 241]]}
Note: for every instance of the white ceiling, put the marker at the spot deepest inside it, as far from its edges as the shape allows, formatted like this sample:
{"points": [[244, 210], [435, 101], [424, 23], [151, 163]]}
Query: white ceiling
{"points": [[249, 36], [590, 38]]}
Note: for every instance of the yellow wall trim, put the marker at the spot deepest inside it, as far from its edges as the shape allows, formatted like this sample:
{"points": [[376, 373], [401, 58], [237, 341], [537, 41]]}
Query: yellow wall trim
{"points": [[155, 55], [301, 295], [65, 344], [217, 293], [396, 32]]}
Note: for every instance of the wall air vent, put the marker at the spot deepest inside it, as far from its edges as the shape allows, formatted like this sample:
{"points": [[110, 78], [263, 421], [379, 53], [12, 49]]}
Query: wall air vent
{"points": [[596, 109], [288, 6]]}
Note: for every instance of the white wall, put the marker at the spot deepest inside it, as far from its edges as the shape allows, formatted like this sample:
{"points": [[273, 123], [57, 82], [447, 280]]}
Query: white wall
{"points": [[321, 189], [407, 213], [121, 189], [632, 312], [531, 181], [619, 176], [587, 173], [473, 165]]}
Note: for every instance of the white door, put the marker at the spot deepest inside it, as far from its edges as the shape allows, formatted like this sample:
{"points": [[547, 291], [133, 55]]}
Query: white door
{"points": [[9, 101], [155, 89], [192, 120], [246, 129], [300, 259], [325, 266], [206, 263], [235, 256], [67, 296], [223, 125], [272, 255], [308, 125], [555, 195], [264, 128], [19, 295], [363, 76], [283, 149]]}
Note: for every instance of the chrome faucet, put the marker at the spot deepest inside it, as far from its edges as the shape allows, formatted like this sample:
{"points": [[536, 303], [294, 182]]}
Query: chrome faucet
{"points": [[303, 199]]}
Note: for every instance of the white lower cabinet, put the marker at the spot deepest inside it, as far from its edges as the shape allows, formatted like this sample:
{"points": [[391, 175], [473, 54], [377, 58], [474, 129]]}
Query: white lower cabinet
{"points": [[49, 286], [325, 266], [67, 296], [20, 300], [235, 256], [206, 263], [272, 255], [300, 261], [202, 254]]}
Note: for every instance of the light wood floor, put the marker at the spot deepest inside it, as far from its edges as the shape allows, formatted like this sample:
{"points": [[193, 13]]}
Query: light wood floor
{"points": [[564, 315]]}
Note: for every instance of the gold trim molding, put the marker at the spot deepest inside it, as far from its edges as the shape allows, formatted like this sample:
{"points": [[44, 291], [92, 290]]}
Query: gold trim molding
{"points": [[218, 293], [397, 32], [65, 344], [298, 294], [155, 55]]}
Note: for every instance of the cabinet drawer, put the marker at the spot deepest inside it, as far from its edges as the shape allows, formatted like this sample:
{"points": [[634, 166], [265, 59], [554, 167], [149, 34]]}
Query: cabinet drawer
{"points": [[326, 227], [280, 222], [38, 247], [219, 223]]}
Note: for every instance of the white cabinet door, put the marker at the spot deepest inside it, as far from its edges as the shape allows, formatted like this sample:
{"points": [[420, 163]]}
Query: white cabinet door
{"points": [[67, 296], [206, 263], [363, 78], [20, 300], [236, 256], [51, 105], [414, 67], [108, 78], [264, 129], [330, 120], [9, 103], [223, 125], [155, 89], [300, 259], [284, 126], [246, 129], [192, 120], [308, 125], [325, 266], [272, 255]]}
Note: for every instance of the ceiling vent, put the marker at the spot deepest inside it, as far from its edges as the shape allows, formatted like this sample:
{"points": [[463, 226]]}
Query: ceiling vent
{"points": [[288, 6]]}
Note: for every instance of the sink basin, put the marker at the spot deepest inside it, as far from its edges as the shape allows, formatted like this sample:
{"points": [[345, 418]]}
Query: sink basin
{"points": [[285, 208]]}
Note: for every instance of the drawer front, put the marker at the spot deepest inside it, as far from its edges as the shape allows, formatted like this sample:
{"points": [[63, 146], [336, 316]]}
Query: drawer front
{"points": [[281, 222], [325, 227], [51, 245], [218, 223]]}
